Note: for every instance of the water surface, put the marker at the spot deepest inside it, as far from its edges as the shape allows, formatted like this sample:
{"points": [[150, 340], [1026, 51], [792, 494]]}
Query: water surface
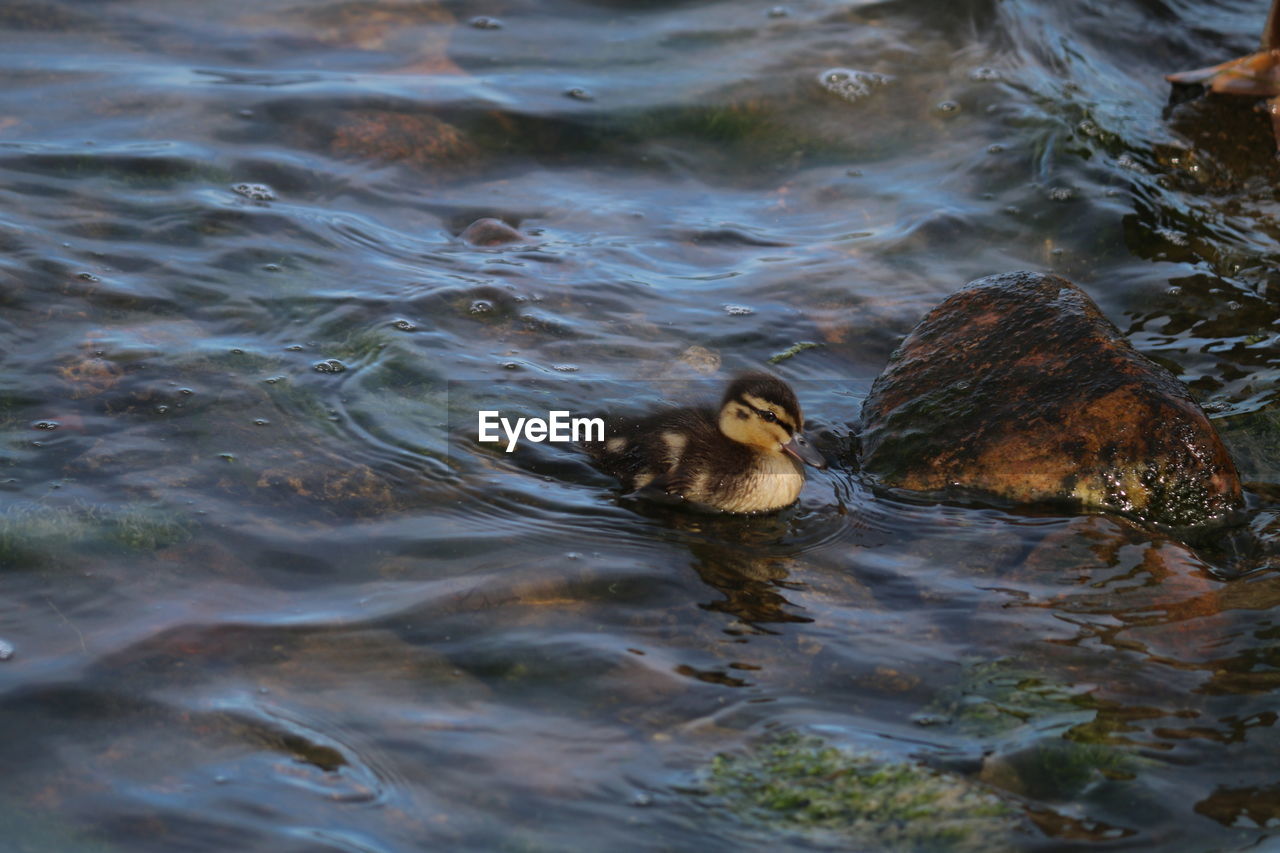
{"points": [[261, 591]]}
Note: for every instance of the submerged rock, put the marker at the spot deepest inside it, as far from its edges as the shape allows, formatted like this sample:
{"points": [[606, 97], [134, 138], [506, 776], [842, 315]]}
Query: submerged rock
{"points": [[1017, 387], [490, 232]]}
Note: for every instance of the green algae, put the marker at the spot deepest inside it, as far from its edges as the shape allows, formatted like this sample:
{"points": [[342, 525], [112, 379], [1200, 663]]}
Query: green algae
{"points": [[1002, 703], [793, 350], [800, 783], [32, 535], [997, 697]]}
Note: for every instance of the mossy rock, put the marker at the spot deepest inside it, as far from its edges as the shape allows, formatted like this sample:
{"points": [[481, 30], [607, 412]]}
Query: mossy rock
{"points": [[1017, 388], [801, 784]]}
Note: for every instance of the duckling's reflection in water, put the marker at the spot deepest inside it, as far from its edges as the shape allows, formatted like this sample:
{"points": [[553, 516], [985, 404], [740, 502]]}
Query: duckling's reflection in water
{"points": [[747, 559]]}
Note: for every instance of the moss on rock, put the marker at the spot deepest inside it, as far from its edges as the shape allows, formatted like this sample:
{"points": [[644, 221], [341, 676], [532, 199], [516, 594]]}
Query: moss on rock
{"points": [[801, 784]]}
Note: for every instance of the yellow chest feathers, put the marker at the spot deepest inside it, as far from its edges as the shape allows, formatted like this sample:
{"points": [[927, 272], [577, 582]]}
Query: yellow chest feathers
{"points": [[773, 482]]}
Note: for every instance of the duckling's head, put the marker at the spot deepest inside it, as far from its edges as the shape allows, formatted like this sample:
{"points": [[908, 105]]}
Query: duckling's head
{"points": [[762, 411]]}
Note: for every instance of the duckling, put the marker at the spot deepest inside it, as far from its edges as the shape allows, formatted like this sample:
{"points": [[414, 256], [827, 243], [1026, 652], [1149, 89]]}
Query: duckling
{"points": [[746, 457]]}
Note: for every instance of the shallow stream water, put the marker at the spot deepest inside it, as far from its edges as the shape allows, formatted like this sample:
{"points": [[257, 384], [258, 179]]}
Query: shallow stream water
{"points": [[262, 592]]}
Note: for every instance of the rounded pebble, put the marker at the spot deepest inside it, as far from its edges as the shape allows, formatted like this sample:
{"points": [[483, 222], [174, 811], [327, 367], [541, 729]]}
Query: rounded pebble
{"points": [[329, 365]]}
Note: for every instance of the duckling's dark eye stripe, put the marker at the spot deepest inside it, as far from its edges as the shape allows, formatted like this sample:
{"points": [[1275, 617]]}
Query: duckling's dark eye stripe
{"points": [[774, 419], [766, 414]]}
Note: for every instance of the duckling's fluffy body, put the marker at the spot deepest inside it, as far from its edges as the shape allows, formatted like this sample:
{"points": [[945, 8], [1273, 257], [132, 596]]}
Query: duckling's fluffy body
{"points": [[745, 457]]}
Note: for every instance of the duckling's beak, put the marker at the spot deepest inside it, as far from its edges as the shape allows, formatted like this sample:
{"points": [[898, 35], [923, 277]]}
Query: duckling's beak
{"points": [[800, 448]]}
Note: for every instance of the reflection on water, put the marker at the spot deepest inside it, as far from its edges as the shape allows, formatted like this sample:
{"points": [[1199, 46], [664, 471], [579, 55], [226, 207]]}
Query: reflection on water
{"points": [[259, 595]]}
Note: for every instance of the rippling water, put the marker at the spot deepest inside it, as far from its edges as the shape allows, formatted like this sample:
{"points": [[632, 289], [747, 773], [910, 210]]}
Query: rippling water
{"points": [[262, 593]]}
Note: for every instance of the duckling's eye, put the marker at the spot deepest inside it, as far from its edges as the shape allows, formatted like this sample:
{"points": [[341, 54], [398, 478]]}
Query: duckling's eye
{"points": [[769, 416]]}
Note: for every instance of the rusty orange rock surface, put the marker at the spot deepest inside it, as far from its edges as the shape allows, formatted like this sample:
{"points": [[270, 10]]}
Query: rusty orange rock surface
{"points": [[1018, 387]]}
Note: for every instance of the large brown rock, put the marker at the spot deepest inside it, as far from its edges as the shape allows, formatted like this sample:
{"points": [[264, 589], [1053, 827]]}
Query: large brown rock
{"points": [[1017, 387]]}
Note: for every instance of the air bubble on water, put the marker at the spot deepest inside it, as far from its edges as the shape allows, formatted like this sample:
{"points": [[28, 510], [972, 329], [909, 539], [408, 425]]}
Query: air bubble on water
{"points": [[738, 310], [45, 425], [1175, 237], [1088, 128], [186, 392], [850, 84], [565, 368], [579, 94], [261, 422], [1062, 193], [481, 306], [162, 409], [484, 22], [1234, 306], [995, 148], [293, 348], [1124, 161], [511, 365], [405, 326], [1174, 290], [946, 107], [271, 267], [256, 192], [237, 351], [87, 276], [984, 74], [329, 365]]}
